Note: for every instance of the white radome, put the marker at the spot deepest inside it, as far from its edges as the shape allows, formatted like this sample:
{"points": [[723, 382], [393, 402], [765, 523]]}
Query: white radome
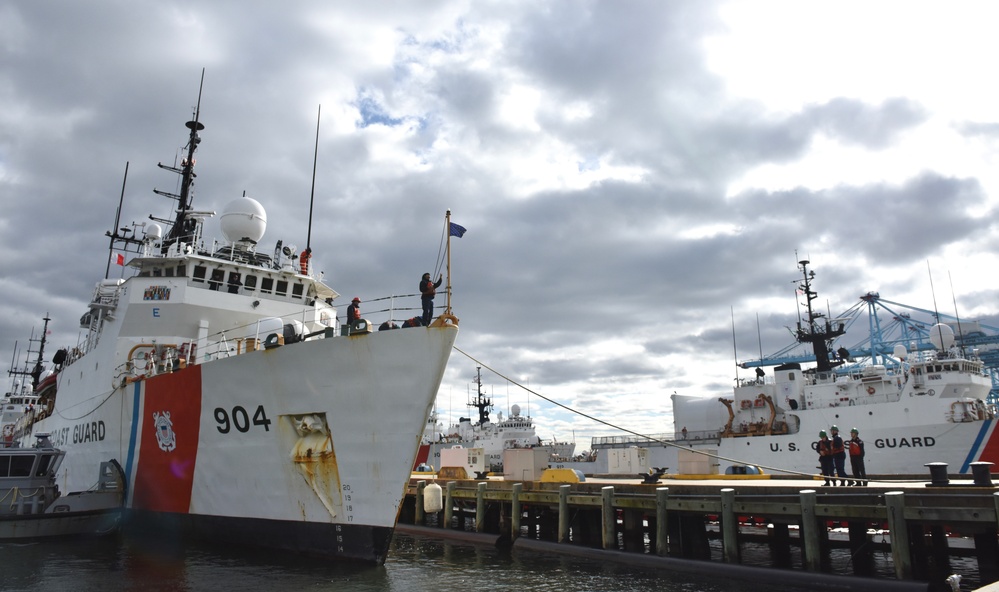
{"points": [[941, 336], [243, 219]]}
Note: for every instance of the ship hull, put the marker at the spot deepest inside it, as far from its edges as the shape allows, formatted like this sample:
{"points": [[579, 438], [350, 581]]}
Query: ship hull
{"points": [[335, 541], [889, 451], [896, 442], [304, 447]]}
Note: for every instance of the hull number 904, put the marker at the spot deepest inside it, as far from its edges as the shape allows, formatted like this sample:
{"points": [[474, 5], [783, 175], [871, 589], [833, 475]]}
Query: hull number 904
{"points": [[239, 418]]}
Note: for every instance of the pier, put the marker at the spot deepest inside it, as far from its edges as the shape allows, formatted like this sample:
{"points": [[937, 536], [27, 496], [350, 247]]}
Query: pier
{"points": [[924, 526]]}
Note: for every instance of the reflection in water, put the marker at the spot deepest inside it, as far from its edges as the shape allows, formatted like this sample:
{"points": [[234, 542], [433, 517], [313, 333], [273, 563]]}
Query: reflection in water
{"points": [[112, 565]]}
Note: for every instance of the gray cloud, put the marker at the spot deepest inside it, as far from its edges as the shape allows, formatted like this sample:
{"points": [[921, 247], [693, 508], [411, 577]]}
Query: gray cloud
{"points": [[604, 258]]}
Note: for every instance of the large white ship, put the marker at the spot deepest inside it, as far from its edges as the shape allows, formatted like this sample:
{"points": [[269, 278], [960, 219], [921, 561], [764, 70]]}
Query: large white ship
{"points": [[928, 405], [515, 431], [220, 379]]}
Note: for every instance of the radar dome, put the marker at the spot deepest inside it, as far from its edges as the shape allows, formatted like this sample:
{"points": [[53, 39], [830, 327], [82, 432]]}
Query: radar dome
{"points": [[515, 410], [154, 232], [243, 219], [941, 336], [899, 351]]}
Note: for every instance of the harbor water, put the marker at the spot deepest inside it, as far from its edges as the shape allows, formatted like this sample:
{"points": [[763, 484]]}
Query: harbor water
{"points": [[415, 563]]}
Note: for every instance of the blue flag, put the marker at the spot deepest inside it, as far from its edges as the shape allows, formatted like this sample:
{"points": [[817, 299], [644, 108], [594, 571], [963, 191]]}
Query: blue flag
{"points": [[457, 230]]}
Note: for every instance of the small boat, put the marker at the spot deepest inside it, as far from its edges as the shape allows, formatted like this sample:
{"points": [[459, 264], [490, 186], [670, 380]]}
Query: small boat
{"points": [[32, 507]]}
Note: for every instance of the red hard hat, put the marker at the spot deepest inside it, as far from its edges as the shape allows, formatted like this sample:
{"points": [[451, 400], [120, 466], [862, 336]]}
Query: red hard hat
{"points": [[356, 299]]}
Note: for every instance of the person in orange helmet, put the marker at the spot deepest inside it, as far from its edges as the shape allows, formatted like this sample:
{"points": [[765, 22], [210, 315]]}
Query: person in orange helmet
{"points": [[354, 311]]}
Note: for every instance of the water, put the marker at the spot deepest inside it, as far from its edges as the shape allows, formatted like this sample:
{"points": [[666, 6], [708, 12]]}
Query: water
{"points": [[415, 563], [418, 564]]}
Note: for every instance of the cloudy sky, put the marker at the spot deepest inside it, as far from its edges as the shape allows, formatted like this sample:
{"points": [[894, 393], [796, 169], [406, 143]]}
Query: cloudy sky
{"points": [[638, 178]]}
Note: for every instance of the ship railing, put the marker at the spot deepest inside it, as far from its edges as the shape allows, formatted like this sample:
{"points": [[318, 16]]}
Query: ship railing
{"points": [[756, 381], [612, 441]]}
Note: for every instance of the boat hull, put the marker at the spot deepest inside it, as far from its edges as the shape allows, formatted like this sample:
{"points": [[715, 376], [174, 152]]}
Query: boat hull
{"points": [[335, 541], [76, 524], [304, 447], [901, 450]]}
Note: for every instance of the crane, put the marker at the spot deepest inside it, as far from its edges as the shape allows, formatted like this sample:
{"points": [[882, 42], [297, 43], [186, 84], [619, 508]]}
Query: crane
{"points": [[889, 324]]}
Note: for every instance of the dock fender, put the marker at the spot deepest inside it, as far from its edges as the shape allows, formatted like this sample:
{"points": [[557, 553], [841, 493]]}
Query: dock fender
{"points": [[432, 499]]}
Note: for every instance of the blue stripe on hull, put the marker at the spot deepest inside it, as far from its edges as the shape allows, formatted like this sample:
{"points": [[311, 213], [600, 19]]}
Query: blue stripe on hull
{"points": [[976, 446], [132, 435]]}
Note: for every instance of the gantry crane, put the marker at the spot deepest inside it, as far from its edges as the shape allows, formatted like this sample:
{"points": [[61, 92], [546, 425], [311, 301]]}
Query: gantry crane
{"points": [[890, 324]]}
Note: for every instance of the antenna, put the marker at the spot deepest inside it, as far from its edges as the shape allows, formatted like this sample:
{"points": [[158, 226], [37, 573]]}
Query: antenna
{"points": [[759, 337], [936, 312], [960, 330], [117, 220], [179, 228], [312, 196], [735, 352]]}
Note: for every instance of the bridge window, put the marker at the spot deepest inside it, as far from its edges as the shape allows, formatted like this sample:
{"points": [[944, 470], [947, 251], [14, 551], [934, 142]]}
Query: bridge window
{"points": [[250, 283], [296, 290], [282, 288], [199, 273], [267, 285]]}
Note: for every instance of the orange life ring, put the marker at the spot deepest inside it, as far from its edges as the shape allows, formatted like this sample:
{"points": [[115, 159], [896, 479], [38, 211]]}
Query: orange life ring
{"points": [[870, 390]]}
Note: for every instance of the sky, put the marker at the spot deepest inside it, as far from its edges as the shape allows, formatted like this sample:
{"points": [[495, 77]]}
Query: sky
{"points": [[638, 179]]}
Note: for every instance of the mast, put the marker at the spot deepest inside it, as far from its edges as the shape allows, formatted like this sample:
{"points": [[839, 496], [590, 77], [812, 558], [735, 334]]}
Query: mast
{"points": [[312, 196], [814, 331], [36, 372], [182, 227], [114, 233], [482, 402]]}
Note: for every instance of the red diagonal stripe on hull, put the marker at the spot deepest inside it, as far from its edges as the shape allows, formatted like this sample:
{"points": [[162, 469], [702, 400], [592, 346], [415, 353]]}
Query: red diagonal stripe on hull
{"points": [[990, 452], [164, 478]]}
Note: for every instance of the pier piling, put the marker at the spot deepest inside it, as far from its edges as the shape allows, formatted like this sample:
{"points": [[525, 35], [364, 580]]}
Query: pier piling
{"points": [[714, 523], [901, 557]]}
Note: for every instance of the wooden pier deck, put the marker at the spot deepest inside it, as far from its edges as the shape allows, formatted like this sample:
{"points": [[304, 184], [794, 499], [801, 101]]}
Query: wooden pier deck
{"points": [[800, 521]]}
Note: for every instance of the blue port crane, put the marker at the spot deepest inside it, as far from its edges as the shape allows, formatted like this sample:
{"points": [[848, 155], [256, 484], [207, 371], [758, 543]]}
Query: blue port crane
{"points": [[890, 324]]}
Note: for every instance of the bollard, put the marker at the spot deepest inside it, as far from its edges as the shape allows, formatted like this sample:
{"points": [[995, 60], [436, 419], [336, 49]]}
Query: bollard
{"points": [[938, 474], [982, 473]]}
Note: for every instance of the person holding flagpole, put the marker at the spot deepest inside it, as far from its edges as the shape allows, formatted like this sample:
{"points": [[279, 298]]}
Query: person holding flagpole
{"points": [[428, 289]]}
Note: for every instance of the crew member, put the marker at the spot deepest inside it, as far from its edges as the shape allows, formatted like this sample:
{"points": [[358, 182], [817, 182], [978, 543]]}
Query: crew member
{"points": [[838, 454], [303, 260], [354, 311], [428, 289], [825, 456], [856, 446]]}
